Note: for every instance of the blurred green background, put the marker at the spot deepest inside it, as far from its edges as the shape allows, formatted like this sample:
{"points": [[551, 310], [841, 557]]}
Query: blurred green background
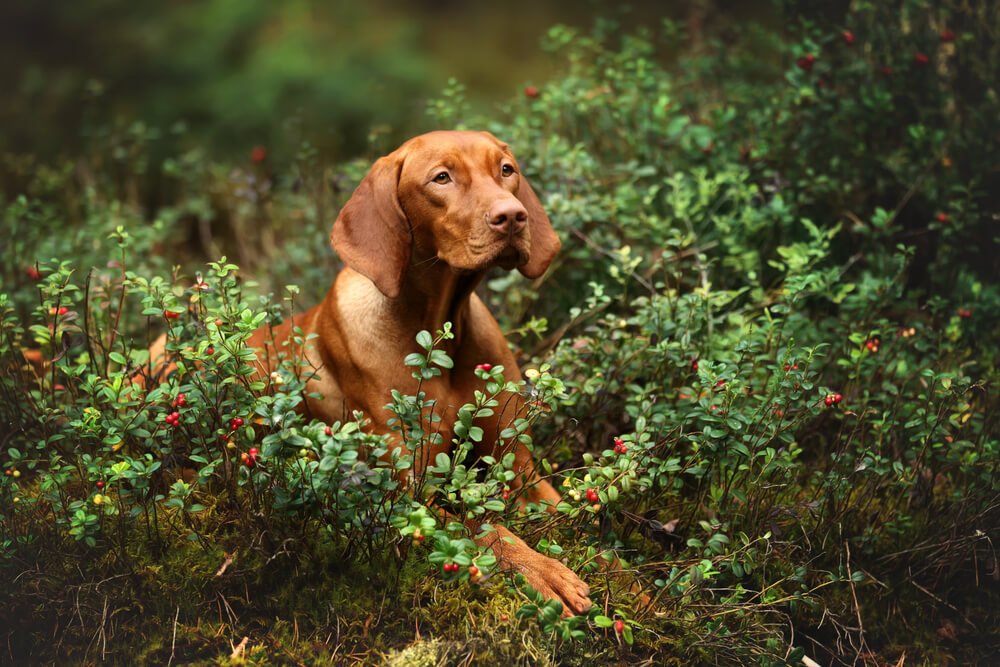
{"points": [[232, 74]]}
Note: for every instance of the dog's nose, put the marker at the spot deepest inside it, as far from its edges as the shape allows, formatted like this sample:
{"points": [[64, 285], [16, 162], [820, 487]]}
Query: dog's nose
{"points": [[508, 217]]}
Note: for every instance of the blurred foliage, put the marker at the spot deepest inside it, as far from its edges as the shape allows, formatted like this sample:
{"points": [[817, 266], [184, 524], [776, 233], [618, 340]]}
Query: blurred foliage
{"points": [[238, 73], [764, 366]]}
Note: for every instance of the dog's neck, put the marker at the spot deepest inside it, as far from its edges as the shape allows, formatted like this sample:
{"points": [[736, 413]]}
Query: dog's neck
{"points": [[433, 295]]}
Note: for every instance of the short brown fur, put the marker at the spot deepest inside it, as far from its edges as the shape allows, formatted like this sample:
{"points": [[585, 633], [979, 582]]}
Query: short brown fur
{"points": [[415, 249]]}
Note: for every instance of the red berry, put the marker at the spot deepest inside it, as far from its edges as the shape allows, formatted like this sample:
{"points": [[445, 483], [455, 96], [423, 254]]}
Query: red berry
{"points": [[837, 398], [947, 35], [964, 313], [921, 59], [720, 383], [253, 451], [506, 494], [473, 571], [484, 367], [619, 627], [327, 431], [420, 538], [33, 273], [694, 365], [235, 423], [209, 350], [258, 154], [806, 62], [531, 91], [619, 441], [943, 218], [592, 496], [218, 322], [828, 400], [171, 314], [848, 37], [100, 484], [886, 70]]}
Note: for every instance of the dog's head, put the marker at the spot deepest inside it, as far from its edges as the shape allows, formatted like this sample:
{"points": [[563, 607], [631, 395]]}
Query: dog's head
{"points": [[457, 197]]}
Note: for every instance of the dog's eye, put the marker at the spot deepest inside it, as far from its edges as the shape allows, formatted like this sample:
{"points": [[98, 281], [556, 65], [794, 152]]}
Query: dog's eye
{"points": [[507, 170], [442, 178]]}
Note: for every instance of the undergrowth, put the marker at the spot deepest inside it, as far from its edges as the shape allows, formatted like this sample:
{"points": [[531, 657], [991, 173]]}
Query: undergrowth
{"points": [[761, 373]]}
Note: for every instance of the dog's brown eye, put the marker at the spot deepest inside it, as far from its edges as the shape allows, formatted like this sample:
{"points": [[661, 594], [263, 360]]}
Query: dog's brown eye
{"points": [[442, 178], [507, 169]]}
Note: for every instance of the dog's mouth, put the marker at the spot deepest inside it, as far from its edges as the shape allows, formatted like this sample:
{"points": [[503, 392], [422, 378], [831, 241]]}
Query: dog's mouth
{"points": [[507, 254]]}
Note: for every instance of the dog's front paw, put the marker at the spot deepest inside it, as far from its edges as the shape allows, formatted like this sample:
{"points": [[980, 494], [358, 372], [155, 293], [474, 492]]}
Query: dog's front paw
{"points": [[555, 581]]}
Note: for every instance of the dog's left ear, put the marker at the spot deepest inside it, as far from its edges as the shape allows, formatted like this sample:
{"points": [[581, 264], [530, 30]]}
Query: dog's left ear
{"points": [[544, 241]]}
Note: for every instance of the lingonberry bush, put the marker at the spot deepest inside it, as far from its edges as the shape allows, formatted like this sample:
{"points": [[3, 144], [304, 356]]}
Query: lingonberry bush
{"points": [[761, 373]]}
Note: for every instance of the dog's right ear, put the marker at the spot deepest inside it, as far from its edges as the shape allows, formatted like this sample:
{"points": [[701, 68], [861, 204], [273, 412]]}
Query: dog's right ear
{"points": [[371, 234]]}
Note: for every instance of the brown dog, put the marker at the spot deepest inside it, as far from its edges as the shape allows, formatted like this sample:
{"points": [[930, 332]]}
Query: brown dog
{"points": [[417, 236]]}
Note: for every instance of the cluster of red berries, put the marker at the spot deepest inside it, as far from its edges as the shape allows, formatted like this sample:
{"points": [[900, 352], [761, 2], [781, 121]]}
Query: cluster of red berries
{"points": [[832, 399], [61, 310], [486, 368], [806, 62], [173, 419], [171, 314], [791, 367], [235, 423], [592, 496], [620, 447], [180, 401], [506, 493], [964, 313], [249, 457], [450, 567], [872, 345]]}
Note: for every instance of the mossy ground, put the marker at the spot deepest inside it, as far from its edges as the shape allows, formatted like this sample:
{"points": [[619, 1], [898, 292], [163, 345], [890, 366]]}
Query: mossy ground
{"points": [[312, 606]]}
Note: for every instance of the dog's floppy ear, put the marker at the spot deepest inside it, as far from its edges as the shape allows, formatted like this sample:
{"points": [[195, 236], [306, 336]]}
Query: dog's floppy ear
{"points": [[372, 234], [544, 242]]}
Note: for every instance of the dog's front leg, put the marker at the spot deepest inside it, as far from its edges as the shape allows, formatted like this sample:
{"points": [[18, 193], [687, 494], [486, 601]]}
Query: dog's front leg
{"points": [[546, 575]]}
